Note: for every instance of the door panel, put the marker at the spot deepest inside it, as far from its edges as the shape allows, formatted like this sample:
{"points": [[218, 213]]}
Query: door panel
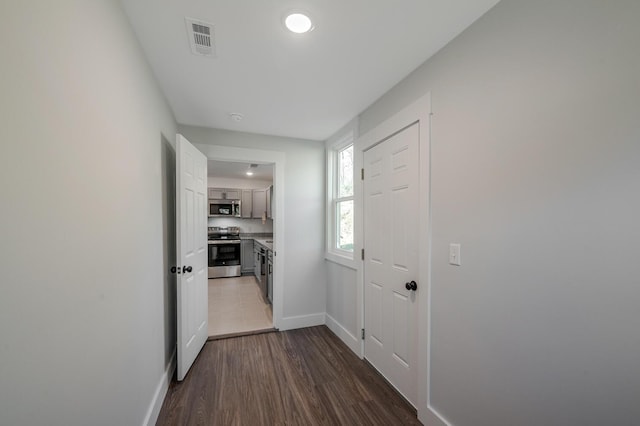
{"points": [[376, 306], [192, 292], [376, 218], [401, 325], [391, 258], [399, 240]]}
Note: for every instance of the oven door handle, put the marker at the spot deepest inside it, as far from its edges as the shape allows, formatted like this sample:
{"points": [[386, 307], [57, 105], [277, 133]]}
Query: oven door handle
{"points": [[217, 242]]}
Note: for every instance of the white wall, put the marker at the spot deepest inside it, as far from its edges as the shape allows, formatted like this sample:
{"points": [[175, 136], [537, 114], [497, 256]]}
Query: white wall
{"points": [[535, 153], [86, 175], [304, 272], [342, 273], [342, 312]]}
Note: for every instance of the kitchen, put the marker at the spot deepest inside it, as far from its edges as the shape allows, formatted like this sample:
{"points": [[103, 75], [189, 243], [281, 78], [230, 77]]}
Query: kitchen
{"points": [[240, 255]]}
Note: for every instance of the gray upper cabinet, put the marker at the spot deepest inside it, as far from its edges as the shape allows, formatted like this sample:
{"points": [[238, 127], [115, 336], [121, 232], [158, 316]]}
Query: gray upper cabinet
{"points": [[254, 202], [233, 194], [259, 203], [224, 194], [216, 193], [247, 203]]}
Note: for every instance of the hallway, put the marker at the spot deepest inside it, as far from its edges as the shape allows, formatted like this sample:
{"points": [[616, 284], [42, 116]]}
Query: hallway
{"points": [[298, 377]]}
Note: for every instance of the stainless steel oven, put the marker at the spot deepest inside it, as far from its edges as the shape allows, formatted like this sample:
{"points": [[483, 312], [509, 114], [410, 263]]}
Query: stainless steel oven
{"points": [[224, 252]]}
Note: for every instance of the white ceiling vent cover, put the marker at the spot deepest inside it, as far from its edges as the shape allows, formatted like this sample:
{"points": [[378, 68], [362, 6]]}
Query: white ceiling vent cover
{"points": [[201, 37]]}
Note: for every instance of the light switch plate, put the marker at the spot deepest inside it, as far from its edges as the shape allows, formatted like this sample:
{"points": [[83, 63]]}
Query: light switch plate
{"points": [[454, 254]]}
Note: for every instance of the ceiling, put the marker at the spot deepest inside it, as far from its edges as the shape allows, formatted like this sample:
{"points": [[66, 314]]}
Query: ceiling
{"points": [[304, 86], [230, 169]]}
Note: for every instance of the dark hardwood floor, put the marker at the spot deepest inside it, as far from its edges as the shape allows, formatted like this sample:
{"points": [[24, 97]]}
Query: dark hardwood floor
{"points": [[297, 377]]}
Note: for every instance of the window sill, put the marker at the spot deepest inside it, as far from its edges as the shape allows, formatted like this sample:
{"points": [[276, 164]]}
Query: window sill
{"points": [[346, 261]]}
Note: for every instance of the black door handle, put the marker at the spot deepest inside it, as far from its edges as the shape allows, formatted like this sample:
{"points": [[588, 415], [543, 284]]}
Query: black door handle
{"points": [[186, 269], [411, 286]]}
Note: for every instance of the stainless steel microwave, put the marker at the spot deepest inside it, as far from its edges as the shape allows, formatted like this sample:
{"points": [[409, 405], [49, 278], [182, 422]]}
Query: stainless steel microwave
{"points": [[224, 208]]}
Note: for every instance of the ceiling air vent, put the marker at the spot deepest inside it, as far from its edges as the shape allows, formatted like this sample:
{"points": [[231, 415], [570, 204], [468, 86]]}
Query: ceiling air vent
{"points": [[201, 37]]}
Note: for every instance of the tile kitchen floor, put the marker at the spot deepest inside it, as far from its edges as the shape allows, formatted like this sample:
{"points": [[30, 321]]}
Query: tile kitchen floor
{"points": [[236, 306]]}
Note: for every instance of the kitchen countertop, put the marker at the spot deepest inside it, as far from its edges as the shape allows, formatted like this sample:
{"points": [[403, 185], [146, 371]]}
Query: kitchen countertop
{"points": [[260, 238], [264, 242]]}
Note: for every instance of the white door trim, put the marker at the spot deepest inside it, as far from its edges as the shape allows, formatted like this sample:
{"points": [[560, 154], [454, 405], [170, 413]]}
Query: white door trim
{"points": [[258, 156], [419, 111]]}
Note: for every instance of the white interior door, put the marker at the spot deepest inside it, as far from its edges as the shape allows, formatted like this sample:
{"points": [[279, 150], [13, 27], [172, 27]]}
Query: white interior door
{"points": [[391, 259], [192, 291]]}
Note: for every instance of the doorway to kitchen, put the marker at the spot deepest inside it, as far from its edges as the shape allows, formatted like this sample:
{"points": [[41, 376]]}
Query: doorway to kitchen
{"points": [[278, 258], [240, 240], [240, 223]]}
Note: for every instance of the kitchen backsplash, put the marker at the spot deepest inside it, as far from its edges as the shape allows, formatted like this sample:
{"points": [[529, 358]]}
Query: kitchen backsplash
{"points": [[246, 225]]}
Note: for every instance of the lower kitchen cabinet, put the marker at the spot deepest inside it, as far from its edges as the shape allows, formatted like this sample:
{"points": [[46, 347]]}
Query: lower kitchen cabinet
{"points": [[247, 257]]}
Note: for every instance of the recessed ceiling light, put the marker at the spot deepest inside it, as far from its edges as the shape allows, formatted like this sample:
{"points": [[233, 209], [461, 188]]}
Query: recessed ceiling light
{"points": [[298, 23], [249, 173]]}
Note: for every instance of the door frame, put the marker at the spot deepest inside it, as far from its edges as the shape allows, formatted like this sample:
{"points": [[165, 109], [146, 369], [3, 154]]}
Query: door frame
{"points": [[277, 158], [417, 112]]}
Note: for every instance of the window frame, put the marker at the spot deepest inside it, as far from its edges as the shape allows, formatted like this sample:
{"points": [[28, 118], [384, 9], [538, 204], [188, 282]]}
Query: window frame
{"points": [[332, 252], [337, 199]]}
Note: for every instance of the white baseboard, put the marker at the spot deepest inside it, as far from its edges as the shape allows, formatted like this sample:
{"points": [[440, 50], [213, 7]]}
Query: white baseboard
{"points": [[301, 321], [345, 335], [161, 391], [431, 417]]}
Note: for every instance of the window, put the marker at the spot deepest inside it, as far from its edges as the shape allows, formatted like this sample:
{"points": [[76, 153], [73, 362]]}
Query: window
{"points": [[344, 199], [342, 185], [340, 197]]}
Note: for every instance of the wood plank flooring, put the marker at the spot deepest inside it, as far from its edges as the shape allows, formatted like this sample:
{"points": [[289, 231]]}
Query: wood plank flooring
{"points": [[297, 377]]}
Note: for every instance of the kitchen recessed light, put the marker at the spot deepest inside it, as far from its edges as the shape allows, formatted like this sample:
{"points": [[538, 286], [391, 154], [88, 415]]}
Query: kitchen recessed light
{"points": [[249, 173], [298, 23]]}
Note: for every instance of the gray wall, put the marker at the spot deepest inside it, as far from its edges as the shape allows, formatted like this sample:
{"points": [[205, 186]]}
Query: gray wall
{"points": [[535, 171], [86, 234], [304, 278]]}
